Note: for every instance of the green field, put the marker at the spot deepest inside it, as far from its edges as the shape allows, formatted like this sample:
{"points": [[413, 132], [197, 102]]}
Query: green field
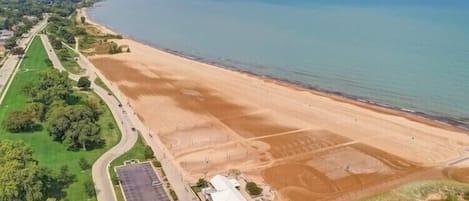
{"points": [[69, 63], [423, 189], [47, 152], [136, 152]]}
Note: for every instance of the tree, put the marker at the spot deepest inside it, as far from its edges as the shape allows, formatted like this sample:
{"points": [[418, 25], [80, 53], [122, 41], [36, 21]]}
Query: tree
{"points": [[84, 83], [89, 188], [51, 86], [17, 51], [148, 153], [83, 19], [253, 189], [75, 126], [56, 43], [65, 178], [84, 164], [19, 121], [20, 176], [10, 43], [37, 110]]}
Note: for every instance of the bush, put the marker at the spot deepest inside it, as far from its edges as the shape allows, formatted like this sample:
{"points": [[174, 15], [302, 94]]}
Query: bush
{"points": [[253, 189], [48, 62], [84, 83], [149, 154], [89, 188], [173, 194], [84, 164], [114, 179], [19, 121], [65, 178], [451, 197], [37, 110], [17, 51], [111, 125], [156, 163], [114, 49], [202, 183]]}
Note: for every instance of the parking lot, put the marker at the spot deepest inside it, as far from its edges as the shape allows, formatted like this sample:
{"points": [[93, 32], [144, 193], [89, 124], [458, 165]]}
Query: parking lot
{"points": [[141, 183]]}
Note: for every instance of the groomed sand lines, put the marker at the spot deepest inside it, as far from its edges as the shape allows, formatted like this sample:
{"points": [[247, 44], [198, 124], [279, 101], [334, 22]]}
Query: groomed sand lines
{"points": [[307, 146]]}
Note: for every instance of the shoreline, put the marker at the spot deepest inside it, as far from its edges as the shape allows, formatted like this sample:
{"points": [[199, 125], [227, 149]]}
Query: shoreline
{"points": [[445, 122]]}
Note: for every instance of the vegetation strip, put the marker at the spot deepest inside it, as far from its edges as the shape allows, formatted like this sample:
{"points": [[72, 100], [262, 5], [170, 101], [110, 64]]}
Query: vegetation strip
{"points": [[50, 154]]}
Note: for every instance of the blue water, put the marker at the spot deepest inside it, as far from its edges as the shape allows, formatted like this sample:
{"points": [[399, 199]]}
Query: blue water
{"points": [[402, 53]]}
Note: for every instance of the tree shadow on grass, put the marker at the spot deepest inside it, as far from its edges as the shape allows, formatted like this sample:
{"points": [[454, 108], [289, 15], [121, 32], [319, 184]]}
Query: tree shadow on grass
{"points": [[72, 99]]}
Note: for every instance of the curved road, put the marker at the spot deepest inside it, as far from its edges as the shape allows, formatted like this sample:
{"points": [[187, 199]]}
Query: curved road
{"points": [[102, 179]]}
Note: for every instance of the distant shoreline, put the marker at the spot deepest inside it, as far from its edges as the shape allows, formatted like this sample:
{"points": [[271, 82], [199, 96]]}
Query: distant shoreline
{"points": [[449, 123]]}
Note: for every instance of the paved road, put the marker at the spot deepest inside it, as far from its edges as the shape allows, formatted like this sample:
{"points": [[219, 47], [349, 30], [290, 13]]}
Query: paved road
{"points": [[173, 171], [101, 177], [9, 67]]}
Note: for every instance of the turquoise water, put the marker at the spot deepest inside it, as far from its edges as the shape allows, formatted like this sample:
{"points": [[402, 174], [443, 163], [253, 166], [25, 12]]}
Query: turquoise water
{"points": [[406, 54]]}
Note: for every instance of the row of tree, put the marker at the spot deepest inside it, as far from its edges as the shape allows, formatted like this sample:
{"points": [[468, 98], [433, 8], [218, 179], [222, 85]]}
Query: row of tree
{"points": [[21, 15], [69, 119]]}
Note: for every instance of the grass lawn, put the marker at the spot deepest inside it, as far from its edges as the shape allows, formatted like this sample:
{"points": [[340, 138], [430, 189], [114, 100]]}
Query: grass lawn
{"points": [[47, 152], [136, 152], [70, 64], [422, 189]]}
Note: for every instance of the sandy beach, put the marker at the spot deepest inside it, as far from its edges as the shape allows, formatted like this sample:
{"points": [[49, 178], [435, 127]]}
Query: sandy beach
{"points": [[306, 144]]}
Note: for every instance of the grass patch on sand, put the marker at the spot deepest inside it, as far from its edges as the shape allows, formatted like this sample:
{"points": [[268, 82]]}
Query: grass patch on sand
{"points": [[101, 84], [424, 190], [47, 152]]}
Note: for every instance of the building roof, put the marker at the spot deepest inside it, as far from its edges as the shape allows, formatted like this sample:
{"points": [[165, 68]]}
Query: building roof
{"points": [[226, 191]]}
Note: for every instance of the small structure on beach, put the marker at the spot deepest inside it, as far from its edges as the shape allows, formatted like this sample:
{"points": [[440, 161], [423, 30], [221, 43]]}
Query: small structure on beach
{"points": [[223, 189]]}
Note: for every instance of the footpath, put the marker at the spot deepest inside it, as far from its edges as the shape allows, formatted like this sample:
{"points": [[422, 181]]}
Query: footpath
{"points": [[102, 179]]}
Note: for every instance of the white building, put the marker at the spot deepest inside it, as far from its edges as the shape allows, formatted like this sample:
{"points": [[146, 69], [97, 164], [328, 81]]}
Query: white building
{"points": [[224, 189]]}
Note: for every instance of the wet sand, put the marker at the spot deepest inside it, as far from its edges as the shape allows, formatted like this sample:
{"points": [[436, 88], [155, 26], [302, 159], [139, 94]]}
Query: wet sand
{"points": [[306, 144]]}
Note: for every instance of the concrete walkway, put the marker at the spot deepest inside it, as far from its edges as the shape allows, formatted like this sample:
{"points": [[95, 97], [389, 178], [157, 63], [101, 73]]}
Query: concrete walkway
{"points": [[102, 179], [173, 171]]}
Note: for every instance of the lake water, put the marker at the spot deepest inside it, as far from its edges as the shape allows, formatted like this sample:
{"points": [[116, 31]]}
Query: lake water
{"points": [[406, 54]]}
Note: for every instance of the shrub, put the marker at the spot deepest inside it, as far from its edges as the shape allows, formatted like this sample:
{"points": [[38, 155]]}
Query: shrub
{"points": [[202, 183], [156, 163], [149, 154], [84, 164], [451, 197], [173, 194], [19, 121], [84, 83], [111, 125], [17, 51], [89, 188], [115, 179], [253, 189], [48, 62]]}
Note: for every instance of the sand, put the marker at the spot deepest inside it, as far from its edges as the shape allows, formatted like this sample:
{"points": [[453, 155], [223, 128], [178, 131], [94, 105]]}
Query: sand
{"points": [[305, 144]]}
